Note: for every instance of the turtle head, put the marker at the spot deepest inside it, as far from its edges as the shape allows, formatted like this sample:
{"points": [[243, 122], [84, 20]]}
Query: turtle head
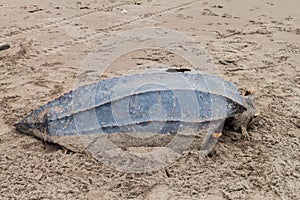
{"points": [[243, 119]]}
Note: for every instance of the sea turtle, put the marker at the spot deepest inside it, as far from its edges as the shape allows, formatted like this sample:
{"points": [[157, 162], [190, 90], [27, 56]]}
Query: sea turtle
{"points": [[164, 102]]}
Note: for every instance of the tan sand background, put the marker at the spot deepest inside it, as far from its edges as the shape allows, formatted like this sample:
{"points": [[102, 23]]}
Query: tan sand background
{"points": [[255, 44]]}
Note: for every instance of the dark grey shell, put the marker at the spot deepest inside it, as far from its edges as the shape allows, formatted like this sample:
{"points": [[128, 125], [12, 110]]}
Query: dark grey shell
{"points": [[159, 102]]}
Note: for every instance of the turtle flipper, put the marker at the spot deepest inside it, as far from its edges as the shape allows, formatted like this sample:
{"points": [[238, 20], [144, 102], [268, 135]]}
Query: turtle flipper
{"points": [[245, 134], [209, 142], [211, 138]]}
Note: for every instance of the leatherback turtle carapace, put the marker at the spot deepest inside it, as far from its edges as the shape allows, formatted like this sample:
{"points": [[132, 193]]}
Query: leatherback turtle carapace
{"points": [[161, 102]]}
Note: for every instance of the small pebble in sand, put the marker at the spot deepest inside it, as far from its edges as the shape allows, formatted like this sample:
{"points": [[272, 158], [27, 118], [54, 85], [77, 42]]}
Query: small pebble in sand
{"points": [[217, 6], [123, 11], [4, 46]]}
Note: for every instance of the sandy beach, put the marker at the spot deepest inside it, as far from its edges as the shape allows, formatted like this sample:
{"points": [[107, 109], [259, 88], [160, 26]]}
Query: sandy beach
{"points": [[254, 44]]}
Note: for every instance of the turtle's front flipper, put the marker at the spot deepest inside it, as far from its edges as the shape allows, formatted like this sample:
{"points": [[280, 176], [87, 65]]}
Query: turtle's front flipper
{"points": [[210, 139], [245, 134], [209, 143]]}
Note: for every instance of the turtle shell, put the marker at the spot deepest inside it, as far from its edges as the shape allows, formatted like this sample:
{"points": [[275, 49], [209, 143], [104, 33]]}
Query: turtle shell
{"points": [[159, 102]]}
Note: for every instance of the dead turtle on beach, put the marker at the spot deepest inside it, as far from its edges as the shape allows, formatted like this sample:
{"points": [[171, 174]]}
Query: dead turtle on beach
{"points": [[162, 103]]}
